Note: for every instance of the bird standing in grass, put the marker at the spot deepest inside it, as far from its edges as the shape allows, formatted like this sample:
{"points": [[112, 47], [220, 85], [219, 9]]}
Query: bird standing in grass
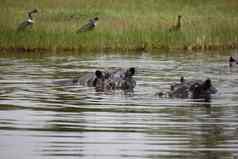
{"points": [[89, 26], [176, 27], [27, 23]]}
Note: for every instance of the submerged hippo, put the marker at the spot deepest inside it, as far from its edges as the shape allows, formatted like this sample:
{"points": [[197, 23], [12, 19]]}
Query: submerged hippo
{"points": [[194, 89], [110, 80]]}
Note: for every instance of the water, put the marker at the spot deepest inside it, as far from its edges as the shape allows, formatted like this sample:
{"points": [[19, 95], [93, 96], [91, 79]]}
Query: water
{"points": [[40, 119]]}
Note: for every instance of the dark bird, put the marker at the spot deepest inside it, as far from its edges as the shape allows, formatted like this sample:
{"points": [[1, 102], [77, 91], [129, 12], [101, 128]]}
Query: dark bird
{"points": [[232, 61], [176, 27], [28, 22], [89, 26]]}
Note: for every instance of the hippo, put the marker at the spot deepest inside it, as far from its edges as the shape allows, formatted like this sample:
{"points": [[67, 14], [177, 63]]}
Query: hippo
{"points": [[202, 90], [193, 89], [110, 79]]}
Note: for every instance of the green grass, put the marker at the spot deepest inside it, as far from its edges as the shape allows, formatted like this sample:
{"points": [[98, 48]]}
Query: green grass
{"points": [[123, 25]]}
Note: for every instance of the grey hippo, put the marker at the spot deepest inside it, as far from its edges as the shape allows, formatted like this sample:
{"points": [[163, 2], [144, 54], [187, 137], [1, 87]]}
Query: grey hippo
{"points": [[110, 79], [191, 89]]}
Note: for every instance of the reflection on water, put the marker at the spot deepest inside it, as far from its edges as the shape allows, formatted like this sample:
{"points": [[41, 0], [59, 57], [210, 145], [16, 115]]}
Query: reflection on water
{"points": [[42, 119]]}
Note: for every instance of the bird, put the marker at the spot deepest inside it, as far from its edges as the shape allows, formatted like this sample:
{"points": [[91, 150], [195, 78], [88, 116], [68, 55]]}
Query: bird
{"points": [[176, 27], [232, 61], [28, 22], [89, 26]]}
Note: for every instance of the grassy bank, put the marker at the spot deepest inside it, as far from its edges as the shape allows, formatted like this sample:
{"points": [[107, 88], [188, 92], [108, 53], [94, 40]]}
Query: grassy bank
{"points": [[123, 25]]}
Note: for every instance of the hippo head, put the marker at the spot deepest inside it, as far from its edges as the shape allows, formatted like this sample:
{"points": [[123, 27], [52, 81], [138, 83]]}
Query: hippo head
{"points": [[106, 80], [202, 90]]}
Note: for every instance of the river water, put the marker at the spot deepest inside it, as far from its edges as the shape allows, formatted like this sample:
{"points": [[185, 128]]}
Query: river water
{"points": [[42, 119]]}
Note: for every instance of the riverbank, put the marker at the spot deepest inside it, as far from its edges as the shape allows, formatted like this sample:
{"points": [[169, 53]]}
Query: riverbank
{"points": [[123, 25]]}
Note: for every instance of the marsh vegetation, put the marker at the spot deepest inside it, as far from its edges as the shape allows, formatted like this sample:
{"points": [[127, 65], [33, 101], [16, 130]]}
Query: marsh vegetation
{"points": [[123, 25]]}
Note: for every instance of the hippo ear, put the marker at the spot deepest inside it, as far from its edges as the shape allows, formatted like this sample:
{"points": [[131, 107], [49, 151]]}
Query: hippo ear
{"points": [[131, 71], [98, 74], [207, 84]]}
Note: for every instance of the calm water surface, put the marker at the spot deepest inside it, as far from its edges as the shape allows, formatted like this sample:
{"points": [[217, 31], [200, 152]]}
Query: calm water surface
{"points": [[42, 119]]}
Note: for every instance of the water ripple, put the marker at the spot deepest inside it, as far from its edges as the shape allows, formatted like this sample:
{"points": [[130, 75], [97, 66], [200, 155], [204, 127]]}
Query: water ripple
{"points": [[41, 118]]}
